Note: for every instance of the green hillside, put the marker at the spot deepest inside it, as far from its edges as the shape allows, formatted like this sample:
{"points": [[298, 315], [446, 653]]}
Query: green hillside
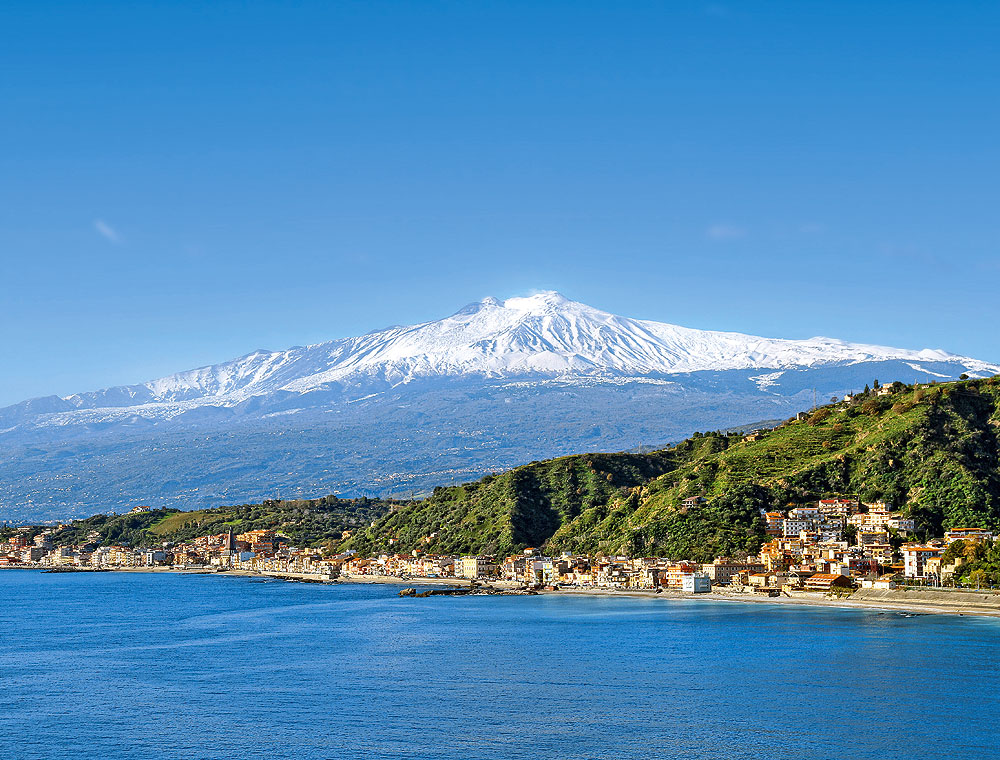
{"points": [[306, 522], [930, 450], [519, 508]]}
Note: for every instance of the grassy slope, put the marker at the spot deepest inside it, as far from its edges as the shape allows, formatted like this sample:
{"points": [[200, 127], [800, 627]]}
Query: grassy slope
{"points": [[932, 451], [521, 507], [306, 522]]}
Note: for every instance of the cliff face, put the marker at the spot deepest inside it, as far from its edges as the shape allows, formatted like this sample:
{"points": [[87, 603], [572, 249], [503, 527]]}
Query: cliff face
{"points": [[930, 450]]}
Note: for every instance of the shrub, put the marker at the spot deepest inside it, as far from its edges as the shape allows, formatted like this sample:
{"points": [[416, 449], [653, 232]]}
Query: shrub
{"points": [[819, 415]]}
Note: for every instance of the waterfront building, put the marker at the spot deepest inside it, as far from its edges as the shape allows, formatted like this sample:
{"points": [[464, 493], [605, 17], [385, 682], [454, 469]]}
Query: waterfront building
{"points": [[827, 582], [676, 572], [476, 567], [696, 583], [915, 558], [722, 570]]}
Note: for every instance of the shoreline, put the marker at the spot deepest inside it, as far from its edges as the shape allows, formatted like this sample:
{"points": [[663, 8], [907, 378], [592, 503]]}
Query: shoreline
{"points": [[808, 599], [967, 607]]}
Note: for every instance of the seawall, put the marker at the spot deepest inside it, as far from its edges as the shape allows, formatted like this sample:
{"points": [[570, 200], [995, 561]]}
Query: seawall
{"points": [[933, 599]]}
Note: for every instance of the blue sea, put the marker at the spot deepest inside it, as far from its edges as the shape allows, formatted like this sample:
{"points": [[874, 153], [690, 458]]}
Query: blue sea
{"points": [[119, 665]]}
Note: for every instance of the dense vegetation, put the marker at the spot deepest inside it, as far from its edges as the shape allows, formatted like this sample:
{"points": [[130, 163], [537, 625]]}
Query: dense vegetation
{"points": [[978, 563], [312, 522], [930, 450], [519, 508]]}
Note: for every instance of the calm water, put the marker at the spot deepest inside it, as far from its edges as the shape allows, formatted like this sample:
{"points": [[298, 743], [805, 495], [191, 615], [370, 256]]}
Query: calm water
{"points": [[114, 665]]}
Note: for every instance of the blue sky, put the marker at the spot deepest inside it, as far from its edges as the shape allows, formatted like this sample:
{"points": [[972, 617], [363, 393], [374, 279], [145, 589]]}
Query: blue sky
{"points": [[184, 183]]}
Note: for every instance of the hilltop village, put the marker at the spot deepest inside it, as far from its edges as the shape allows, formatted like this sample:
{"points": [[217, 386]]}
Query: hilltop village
{"points": [[833, 545]]}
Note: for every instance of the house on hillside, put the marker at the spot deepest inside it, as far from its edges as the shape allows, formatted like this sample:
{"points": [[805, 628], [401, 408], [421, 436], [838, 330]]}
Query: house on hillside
{"points": [[968, 534], [693, 501]]}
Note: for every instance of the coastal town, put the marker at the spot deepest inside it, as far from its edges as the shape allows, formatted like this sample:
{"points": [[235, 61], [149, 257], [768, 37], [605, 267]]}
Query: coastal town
{"points": [[833, 545]]}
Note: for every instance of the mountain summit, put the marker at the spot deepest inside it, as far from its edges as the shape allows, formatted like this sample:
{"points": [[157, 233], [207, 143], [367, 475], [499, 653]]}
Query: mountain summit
{"points": [[494, 384]]}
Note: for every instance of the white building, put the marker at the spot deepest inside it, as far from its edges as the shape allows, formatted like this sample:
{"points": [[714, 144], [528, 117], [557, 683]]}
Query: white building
{"points": [[696, 583], [791, 528], [915, 558]]}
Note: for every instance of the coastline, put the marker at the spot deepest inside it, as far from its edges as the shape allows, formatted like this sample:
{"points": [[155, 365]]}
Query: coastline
{"points": [[812, 599], [809, 599], [964, 603]]}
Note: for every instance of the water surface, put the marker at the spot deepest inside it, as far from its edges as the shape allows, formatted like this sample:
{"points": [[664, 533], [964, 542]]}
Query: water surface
{"points": [[118, 665]]}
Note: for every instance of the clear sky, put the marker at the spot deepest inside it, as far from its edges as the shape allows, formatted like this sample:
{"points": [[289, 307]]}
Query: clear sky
{"points": [[184, 183]]}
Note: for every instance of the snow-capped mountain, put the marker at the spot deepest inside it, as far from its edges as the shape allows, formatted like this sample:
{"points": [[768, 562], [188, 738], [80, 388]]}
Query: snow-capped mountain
{"points": [[543, 335], [505, 381]]}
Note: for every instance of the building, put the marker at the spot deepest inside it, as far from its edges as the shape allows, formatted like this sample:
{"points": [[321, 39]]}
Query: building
{"points": [[968, 534], [932, 568], [773, 522], [152, 557], [259, 541], [696, 583], [804, 513], [915, 559], [761, 580], [722, 570], [675, 572], [837, 507], [903, 524], [827, 582], [794, 526], [477, 567], [885, 583]]}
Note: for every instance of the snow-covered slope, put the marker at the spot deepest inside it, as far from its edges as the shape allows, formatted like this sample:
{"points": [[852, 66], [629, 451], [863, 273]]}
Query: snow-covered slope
{"points": [[544, 335]]}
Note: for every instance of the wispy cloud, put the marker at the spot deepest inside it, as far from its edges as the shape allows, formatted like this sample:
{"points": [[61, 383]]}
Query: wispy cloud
{"points": [[725, 232], [107, 232]]}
